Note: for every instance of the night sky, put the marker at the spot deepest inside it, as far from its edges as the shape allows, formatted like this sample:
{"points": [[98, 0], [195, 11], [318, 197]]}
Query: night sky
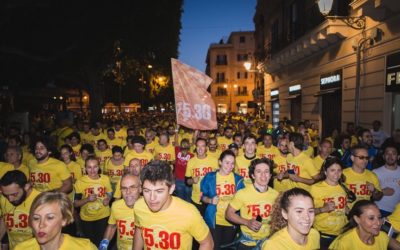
{"points": [[207, 21]]}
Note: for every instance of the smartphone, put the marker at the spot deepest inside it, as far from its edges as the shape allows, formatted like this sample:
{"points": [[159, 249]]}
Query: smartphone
{"points": [[291, 171], [258, 218], [388, 228]]}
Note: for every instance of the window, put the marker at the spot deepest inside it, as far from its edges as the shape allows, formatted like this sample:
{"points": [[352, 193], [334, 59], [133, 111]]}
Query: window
{"points": [[220, 77], [242, 39], [241, 91], [221, 91], [275, 36], [221, 60], [242, 57], [245, 75], [238, 75]]}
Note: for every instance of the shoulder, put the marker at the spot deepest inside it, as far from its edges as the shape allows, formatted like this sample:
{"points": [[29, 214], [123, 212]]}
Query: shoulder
{"points": [[73, 242], [117, 204], [28, 244]]}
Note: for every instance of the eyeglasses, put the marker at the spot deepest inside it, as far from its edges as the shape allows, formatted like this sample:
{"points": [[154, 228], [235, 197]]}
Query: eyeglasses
{"points": [[361, 157], [131, 188]]}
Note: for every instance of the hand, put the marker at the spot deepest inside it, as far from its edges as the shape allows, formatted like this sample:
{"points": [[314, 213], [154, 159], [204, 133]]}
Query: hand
{"points": [[92, 197], [370, 187], [387, 191], [253, 225], [280, 175], [196, 179], [328, 207], [106, 201], [215, 200]]}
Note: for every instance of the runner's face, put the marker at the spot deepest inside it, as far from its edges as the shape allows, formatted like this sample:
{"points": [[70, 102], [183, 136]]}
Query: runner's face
{"points": [[212, 145], [41, 152], [134, 167], [283, 147], [262, 174], [333, 173], [65, 155], [201, 148], [360, 163], [14, 193], [346, 144], [138, 147], [249, 146], [130, 189], [367, 138], [370, 221], [300, 215], [92, 168], [390, 156], [157, 195], [47, 222], [227, 164], [267, 141], [117, 156], [326, 149], [12, 156]]}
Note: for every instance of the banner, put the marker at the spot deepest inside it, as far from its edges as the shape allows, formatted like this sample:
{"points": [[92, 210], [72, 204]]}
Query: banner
{"points": [[195, 108]]}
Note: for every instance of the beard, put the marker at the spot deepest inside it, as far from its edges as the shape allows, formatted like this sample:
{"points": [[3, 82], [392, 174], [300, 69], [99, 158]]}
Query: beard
{"points": [[22, 199], [41, 158]]}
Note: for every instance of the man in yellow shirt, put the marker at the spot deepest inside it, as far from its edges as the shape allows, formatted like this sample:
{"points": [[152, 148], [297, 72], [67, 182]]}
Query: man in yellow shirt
{"points": [[103, 153], [163, 221], [267, 149], [325, 149], [301, 169], [197, 168], [164, 151], [243, 161], [363, 182], [112, 140], [255, 203], [138, 152], [151, 141], [48, 173], [226, 139], [281, 181], [85, 134], [15, 203], [122, 216], [213, 148]]}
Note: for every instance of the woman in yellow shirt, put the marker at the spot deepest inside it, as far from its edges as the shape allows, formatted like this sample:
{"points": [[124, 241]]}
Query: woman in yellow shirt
{"points": [[330, 201], [49, 213], [292, 219], [363, 230]]}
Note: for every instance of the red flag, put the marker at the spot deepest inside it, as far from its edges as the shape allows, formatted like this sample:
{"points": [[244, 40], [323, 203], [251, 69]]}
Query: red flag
{"points": [[194, 106]]}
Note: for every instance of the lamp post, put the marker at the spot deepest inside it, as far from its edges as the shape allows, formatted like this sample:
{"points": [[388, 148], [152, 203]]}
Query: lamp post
{"points": [[256, 92], [231, 89]]}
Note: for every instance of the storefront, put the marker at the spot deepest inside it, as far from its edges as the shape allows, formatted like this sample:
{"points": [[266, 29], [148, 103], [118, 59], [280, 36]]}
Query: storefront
{"points": [[330, 96], [275, 107], [393, 86], [295, 103]]}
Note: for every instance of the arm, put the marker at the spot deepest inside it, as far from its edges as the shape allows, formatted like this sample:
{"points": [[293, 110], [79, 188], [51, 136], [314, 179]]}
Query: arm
{"points": [[394, 244], [79, 202], [327, 208], [138, 240], [2, 228], [110, 231], [232, 216], [206, 244], [66, 186], [377, 195], [296, 178]]}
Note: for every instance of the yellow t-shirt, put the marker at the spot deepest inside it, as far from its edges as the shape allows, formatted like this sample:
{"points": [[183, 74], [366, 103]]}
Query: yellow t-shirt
{"points": [[313, 134], [115, 172], [85, 137], [358, 183], [123, 217], [215, 154], [304, 167], [226, 189], [121, 134], [75, 170], [24, 169], [144, 157], [115, 142], [282, 240], [251, 203], [166, 153], [94, 210], [199, 168], [61, 133], [281, 166], [270, 153], [351, 240], [394, 218], [242, 168], [309, 151], [128, 151], [5, 167], [93, 139], [318, 161], [333, 222], [150, 146], [103, 156], [16, 219], [223, 142], [76, 149], [69, 243], [172, 228], [27, 156], [48, 175]]}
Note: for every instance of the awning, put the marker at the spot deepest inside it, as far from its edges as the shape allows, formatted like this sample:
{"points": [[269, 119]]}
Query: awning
{"points": [[292, 96], [327, 91]]}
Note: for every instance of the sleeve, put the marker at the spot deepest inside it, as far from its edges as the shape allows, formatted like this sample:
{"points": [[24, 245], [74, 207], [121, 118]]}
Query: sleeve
{"points": [[117, 193], [173, 154], [376, 182], [311, 169], [237, 201], [107, 184], [198, 229], [205, 192], [78, 187], [63, 172], [111, 219], [188, 172]]}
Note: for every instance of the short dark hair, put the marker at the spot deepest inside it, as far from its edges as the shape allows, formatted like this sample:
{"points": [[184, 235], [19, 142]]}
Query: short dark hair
{"points": [[101, 140], [110, 130], [297, 139], [70, 150], [358, 147], [201, 139], [226, 153], [139, 139], [257, 161], [117, 149], [74, 134], [362, 131], [157, 170], [88, 147], [14, 176], [250, 136]]}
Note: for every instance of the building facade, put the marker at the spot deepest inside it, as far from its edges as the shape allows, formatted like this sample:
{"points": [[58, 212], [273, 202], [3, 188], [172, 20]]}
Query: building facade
{"points": [[332, 69], [232, 88]]}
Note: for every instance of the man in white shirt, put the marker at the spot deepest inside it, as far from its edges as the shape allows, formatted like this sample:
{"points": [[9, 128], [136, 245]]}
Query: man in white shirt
{"points": [[389, 178], [378, 136]]}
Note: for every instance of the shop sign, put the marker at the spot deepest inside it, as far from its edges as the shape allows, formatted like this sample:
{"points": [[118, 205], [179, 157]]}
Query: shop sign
{"points": [[331, 80], [393, 73]]}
